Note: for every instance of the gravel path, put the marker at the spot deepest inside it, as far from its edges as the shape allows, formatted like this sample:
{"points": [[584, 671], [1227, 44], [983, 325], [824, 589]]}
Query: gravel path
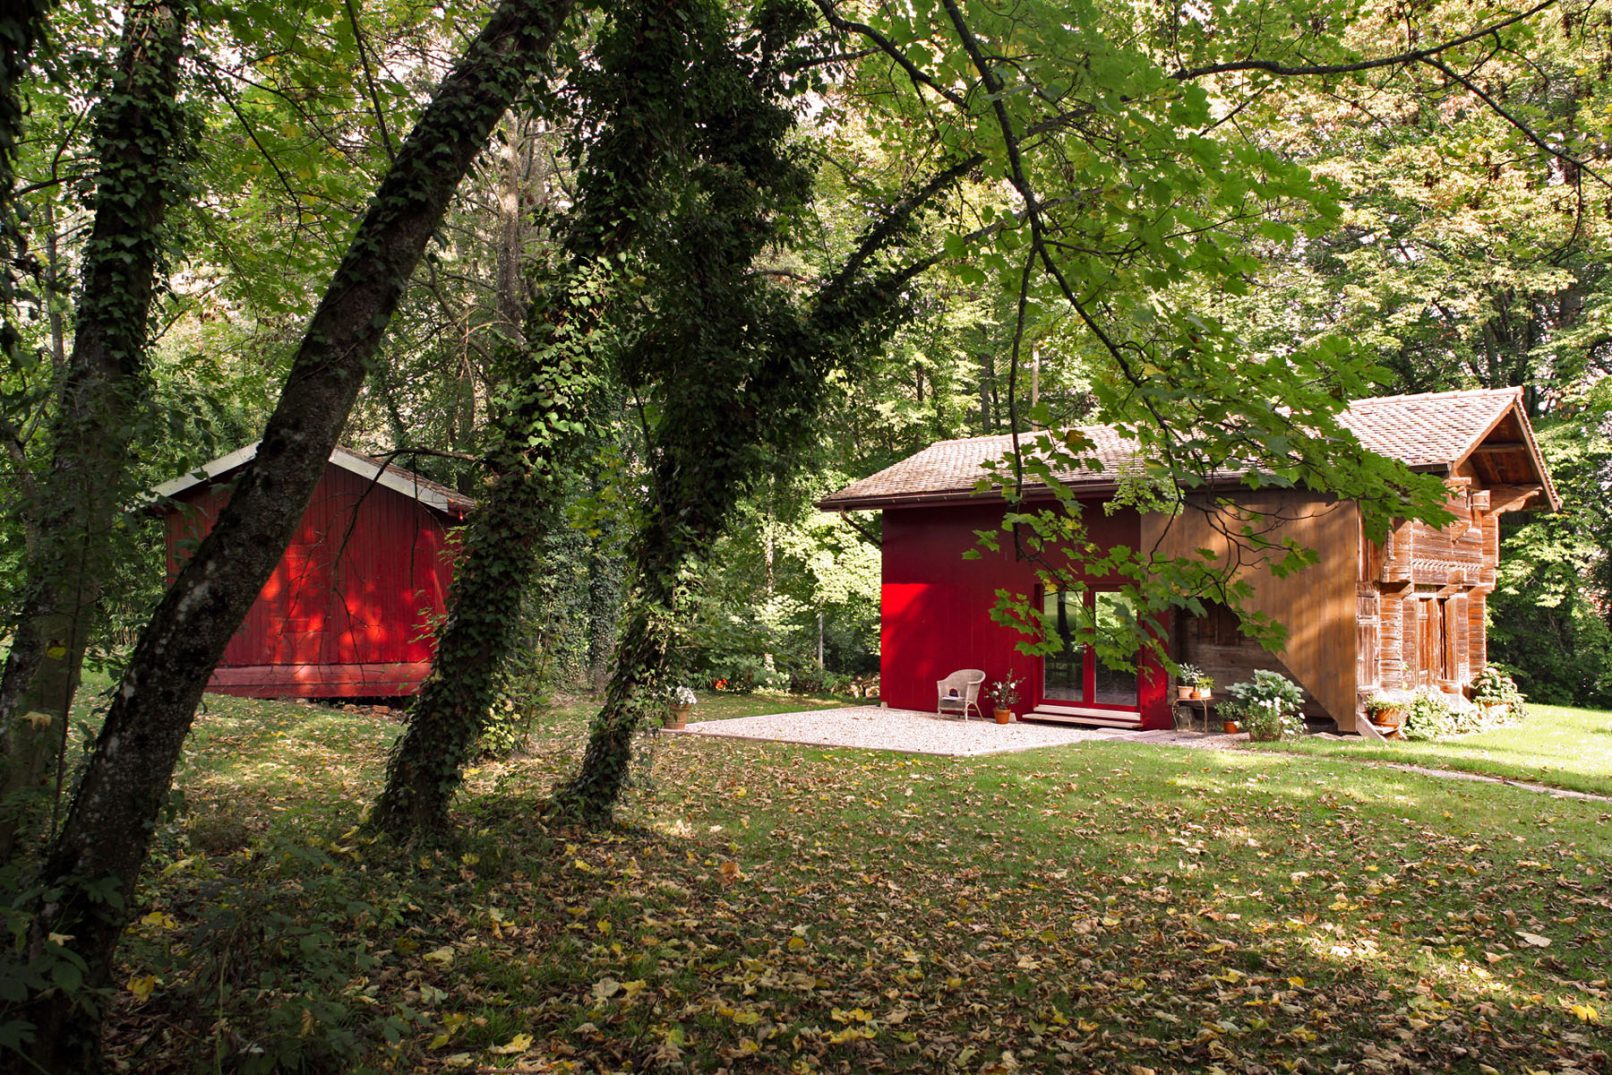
{"points": [[913, 732]]}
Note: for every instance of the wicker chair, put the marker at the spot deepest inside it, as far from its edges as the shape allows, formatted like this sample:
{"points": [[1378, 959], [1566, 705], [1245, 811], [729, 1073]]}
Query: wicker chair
{"points": [[959, 692]]}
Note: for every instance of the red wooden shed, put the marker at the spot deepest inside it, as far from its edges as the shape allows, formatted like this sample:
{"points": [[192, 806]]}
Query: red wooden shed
{"points": [[349, 609]]}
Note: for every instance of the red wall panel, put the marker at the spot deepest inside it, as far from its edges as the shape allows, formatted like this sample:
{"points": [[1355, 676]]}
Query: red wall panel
{"points": [[351, 602], [936, 604]]}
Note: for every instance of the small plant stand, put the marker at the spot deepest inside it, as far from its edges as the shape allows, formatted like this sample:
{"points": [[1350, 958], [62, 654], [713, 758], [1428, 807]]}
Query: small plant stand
{"points": [[1193, 714]]}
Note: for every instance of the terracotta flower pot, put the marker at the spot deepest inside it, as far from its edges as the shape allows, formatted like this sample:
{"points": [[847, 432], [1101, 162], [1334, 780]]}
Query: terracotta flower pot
{"points": [[1388, 718], [1183, 692], [1229, 727], [677, 716], [1004, 716]]}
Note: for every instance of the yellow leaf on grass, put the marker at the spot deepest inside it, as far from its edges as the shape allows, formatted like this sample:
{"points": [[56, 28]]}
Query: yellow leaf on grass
{"points": [[1586, 1012], [159, 919], [518, 1044], [443, 955], [142, 986]]}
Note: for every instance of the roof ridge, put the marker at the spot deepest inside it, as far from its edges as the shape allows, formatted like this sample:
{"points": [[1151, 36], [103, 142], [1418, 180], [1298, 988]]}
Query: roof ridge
{"points": [[1513, 391]]}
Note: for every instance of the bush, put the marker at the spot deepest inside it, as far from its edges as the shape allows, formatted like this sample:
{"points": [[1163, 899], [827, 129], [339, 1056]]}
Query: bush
{"points": [[1269, 706], [1494, 689], [743, 674], [811, 679], [1432, 716]]}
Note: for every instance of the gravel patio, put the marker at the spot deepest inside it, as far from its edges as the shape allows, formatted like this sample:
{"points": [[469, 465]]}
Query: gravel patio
{"points": [[913, 732]]}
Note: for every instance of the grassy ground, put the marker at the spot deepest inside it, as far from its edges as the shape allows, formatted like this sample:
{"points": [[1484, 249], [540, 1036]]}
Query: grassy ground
{"points": [[1567, 748], [767, 907]]}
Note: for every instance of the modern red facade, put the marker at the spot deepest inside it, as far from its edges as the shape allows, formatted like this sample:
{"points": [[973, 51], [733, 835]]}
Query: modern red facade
{"points": [[935, 607], [349, 608]]}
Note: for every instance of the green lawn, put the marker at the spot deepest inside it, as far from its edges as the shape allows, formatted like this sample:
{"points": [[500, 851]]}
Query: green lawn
{"points": [[767, 907], [1567, 748]]}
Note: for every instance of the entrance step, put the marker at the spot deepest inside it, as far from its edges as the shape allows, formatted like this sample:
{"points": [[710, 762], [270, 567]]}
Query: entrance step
{"points": [[1107, 718]]}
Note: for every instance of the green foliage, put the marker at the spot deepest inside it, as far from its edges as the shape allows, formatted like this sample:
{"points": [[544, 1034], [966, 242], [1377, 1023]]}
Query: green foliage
{"points": [[1493, 687], [1429, 715], [1268, 707], [1548, 615]]}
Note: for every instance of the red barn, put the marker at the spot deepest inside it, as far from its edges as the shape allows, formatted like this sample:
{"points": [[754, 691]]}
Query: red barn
{"points": [[349, 609], [1405, 613]]}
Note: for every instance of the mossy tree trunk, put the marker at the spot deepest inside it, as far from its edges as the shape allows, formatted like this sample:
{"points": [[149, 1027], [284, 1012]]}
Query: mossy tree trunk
{"points": [[139, 136]]}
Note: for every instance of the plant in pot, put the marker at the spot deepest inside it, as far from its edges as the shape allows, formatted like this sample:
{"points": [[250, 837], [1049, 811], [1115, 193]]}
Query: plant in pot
{"points": [[1203, 684], [1386, 711], [1497, 697], [1004, 695], [1269, 706], [1185, 678], [682, 700]]}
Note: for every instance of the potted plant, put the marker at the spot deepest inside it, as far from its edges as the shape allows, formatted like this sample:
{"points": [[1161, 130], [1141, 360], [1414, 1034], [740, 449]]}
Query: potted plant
{"points": [[1496, 696], [1185, 678], [1203, 685], [683, 700], [1004, 695], [1385, 710], [1269, 706]]}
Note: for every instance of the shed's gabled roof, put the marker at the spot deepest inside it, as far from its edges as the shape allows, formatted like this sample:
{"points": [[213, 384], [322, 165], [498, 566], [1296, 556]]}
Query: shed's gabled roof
{"points": [[1433, 431], [432, 494]]}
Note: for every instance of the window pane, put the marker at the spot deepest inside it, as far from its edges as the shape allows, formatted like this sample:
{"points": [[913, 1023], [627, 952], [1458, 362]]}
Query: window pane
{"points": [[1113, 686], [1064, 671]]}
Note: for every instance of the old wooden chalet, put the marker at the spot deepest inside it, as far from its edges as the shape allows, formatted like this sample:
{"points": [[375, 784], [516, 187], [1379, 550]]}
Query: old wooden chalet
{"points": [[1404, 613]]}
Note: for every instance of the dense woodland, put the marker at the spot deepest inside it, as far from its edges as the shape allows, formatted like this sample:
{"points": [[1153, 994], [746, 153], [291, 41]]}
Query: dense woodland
{"points": [[662, 274]]}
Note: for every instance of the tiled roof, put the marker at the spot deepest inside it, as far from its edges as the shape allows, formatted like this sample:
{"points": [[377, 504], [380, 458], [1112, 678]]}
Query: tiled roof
{"points": [[1430, 431]]}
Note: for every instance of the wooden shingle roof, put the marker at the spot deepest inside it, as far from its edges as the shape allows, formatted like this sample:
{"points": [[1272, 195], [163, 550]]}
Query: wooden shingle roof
{"points": [[1435, 431]]}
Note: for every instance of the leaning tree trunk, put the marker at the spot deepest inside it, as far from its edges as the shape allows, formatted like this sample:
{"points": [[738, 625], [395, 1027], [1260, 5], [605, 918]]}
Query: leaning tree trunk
{"points": [[138, 136], [96, 859]]}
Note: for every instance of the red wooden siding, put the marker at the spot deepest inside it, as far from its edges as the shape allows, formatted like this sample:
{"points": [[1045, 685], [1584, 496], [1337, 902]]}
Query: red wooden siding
{"points": [[936, 605], [347, 611]]}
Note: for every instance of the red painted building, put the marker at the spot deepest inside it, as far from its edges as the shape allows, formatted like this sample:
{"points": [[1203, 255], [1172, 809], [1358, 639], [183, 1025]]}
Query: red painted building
{"points": [[935, 619], [1394, 615], [348, 611]]}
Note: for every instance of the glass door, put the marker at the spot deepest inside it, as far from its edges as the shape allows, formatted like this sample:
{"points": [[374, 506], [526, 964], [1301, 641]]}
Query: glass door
{"points": [[1074, 675]]}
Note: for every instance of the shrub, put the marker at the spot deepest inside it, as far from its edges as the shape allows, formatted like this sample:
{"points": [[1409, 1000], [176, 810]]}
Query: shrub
{"points": [[1269, 706], [1493, 689], [743, 674], [1430, 716]]}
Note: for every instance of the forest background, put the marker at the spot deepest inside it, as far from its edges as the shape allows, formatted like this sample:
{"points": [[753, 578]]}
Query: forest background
{"points": [[1462, 256]]}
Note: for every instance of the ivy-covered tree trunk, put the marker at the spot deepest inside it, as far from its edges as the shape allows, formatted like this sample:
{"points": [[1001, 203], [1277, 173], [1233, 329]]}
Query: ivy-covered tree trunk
{"points": [[89, 877], [635, 694], [22, 27], [139, 136], [539, 442], [636, 105]]}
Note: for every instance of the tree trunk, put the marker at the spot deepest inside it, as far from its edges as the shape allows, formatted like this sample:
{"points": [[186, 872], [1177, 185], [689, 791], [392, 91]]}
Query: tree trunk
{"points": [[20, 32], [139, 132], [95, 861], [636, 691], [539, 443]]}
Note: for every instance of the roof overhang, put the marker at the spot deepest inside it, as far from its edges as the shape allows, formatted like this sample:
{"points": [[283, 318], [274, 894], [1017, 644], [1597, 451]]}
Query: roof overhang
{"points": [[396, 479]]}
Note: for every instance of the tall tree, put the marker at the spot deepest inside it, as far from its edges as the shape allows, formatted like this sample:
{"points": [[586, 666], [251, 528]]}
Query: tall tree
{"points": [[139, 140], [94, 862]]}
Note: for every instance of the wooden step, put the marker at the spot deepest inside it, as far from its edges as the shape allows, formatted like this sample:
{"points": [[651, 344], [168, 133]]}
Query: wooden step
{"points": [[1061, 714]]}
